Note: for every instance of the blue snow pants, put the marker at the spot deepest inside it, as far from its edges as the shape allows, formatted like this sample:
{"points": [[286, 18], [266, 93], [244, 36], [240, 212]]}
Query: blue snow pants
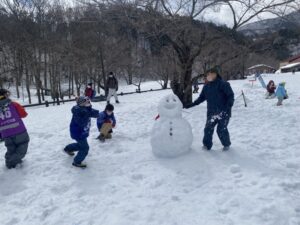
{"points": [[82, 147]]}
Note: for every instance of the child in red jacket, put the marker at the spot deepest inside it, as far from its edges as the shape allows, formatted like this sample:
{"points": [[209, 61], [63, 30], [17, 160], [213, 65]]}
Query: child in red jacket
{"points": [[271, 87]]}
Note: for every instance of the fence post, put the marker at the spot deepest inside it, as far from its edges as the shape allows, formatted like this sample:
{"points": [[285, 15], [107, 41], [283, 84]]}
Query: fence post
{"points": [[46, 103]]}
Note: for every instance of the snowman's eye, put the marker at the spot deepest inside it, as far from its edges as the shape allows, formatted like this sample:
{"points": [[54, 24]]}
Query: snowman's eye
{"points": [[174, 100], [167, 100]]}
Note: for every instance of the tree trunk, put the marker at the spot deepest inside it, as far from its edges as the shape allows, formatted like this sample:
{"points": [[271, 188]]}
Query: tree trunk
{"points": [[103, 71], [184, 89], [70, 85], [28, 84], [165, 82], [17, 86], [130, 79], [72, 81], [77, 83], [45, 70]]}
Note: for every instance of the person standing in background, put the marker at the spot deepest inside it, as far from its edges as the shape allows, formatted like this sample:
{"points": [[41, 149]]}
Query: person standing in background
{"points": [[112, 87], [89, 92]]}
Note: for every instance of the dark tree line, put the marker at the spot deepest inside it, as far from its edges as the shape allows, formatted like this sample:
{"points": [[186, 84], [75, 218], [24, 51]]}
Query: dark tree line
{"points": [[58, 49]]}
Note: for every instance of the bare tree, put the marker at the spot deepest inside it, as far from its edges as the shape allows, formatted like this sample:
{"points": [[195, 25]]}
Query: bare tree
{"points": [[244, 11]]}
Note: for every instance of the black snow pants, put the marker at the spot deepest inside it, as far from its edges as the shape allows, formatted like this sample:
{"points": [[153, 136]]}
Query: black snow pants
{"points": [[16, 149]]}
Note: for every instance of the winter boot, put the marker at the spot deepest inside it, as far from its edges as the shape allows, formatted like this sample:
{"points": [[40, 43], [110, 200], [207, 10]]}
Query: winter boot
{"points": [[70, 153], [101, 138], [79, 165], [108, 136], [226, 148], [206, 148]]}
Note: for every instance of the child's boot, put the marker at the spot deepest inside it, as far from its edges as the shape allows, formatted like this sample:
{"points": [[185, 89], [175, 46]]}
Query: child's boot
{"points": [[101, 137], [108, 136], [70, 153], [79, 165]]}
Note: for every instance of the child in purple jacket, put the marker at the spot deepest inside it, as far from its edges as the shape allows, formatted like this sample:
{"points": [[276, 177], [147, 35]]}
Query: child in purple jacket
{"points": [[12, 130]]}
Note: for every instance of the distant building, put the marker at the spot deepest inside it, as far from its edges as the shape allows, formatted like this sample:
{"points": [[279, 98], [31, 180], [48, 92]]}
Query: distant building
{"points": [[290, 65], [293, 67], [260, 68], [292, 60]]}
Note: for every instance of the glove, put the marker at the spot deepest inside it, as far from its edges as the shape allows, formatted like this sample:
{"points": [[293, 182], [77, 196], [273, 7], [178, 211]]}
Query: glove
{"points": [[188, 106], [114, 125]]}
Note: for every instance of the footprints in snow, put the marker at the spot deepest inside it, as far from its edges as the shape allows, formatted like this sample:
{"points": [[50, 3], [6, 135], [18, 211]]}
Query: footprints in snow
{"points": [[236, 170]]}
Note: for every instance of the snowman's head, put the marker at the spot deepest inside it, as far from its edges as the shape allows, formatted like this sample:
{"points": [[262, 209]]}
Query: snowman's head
{"points": [[170, 106]]}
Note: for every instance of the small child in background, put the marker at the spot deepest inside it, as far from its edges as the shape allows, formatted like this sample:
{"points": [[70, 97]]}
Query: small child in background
{"points": [[13, 130], [271, 87], [106, 122], [281, 93], [80, 129]]}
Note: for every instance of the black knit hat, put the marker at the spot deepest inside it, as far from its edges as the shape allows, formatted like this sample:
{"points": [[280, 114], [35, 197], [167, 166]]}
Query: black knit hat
{"points": [[109, 107], [3, 93]]}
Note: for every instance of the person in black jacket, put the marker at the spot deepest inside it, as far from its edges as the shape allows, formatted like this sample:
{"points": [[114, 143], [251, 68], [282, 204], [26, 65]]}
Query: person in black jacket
{"points": [[112, 87], [220, 98]]}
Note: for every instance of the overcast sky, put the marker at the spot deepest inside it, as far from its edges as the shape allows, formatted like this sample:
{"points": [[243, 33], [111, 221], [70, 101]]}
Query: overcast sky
{"points": [[224, 16]]}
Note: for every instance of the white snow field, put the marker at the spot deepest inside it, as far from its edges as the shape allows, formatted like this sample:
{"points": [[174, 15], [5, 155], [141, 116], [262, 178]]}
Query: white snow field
{"points": [[256, 183]]}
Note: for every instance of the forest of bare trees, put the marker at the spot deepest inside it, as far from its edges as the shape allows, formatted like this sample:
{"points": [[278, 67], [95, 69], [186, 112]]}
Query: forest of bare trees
{"points": [[57, 48]]}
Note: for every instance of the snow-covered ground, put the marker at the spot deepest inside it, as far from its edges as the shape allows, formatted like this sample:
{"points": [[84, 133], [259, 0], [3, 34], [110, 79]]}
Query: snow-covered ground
{"points": [[256, 183]]}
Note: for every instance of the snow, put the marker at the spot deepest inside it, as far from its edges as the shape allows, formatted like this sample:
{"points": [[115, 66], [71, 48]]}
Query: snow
{"points": [[256, 182], [171, 135]]}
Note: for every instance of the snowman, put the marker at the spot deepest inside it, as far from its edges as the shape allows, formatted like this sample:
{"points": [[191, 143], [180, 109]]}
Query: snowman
{"points": [[171, 135]]}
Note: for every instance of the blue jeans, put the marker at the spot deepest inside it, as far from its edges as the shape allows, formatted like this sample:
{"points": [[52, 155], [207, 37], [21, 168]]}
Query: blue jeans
{"points": [[222, 131], [82, 147]]}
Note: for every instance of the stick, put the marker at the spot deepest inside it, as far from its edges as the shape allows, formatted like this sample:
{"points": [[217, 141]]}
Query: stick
{"points": [[244, 98]]}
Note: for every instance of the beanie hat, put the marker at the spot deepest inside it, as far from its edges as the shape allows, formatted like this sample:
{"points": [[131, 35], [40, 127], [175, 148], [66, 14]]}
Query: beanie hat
{"points": [[109, 107], [81, 100], [3, 93], [215, 69]]}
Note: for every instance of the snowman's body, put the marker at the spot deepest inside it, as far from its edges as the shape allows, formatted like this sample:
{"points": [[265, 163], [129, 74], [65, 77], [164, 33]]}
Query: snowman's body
{"points": [[171, 135]]}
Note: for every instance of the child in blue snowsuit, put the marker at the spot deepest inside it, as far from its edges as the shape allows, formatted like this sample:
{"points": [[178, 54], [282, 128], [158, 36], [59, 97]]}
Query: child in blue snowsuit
{"points": [[80, 129], [220, 98], [281, 93], [106, 122]]}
